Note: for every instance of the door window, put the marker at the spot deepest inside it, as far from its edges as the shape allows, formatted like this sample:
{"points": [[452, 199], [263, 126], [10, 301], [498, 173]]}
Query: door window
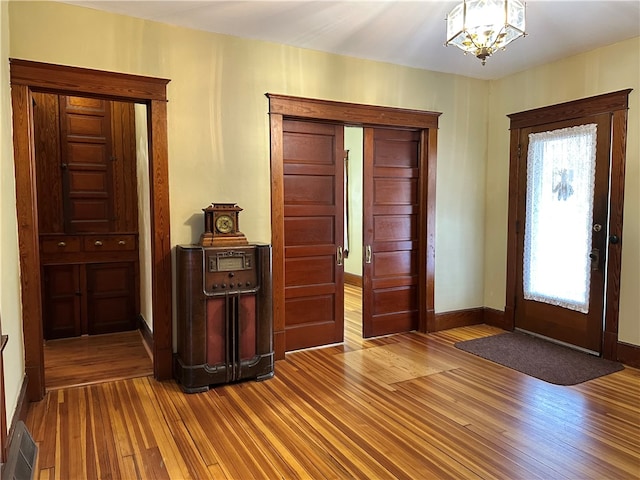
{"points": [[559, 217]]}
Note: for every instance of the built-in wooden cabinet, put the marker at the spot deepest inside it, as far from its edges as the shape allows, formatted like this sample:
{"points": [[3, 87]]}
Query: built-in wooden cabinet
{"points": [[87, 214], [110, 291], [90, 284], [61, 298]]}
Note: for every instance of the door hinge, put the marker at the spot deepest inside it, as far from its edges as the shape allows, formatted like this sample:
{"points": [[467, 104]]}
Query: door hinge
{"points": [[519, 150]]}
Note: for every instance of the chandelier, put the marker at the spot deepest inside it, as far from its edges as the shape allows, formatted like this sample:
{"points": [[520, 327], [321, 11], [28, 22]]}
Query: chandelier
{"points": [[482, 27]]}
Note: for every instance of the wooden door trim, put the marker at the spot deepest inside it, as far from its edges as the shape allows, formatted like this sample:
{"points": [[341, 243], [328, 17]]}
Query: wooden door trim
{"points": [[427, 230], [27, 76], [615, 104], [75, 81], [351, 113], [3, 409], [283, 106], [584, 107]]}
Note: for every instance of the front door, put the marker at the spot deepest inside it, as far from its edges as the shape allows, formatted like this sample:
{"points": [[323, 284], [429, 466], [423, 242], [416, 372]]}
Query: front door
{"points": [[562, 230], [390, 231], [313, 168]]}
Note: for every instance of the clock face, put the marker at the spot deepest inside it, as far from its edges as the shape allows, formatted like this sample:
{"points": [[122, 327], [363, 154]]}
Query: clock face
{"points": [[224, 224]]}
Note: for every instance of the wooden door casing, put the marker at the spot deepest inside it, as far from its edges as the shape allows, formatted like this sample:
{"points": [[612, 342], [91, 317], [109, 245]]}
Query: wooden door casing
{"points": [[3, 406], [28, 77], [391, 203], [313, 232]]}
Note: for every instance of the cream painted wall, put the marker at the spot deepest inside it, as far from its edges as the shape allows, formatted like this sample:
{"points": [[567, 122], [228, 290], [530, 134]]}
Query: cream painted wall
{"points": [[10, 300], [144, 220], [219, 127], [609, 69], [353, 141]]}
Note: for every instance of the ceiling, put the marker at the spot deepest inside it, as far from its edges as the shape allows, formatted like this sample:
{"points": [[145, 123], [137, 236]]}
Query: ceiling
{"points": [[410, 33]]}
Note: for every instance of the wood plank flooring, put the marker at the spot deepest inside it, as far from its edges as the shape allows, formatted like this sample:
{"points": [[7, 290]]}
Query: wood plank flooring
{"points": [[94, 359], [407, 406]]}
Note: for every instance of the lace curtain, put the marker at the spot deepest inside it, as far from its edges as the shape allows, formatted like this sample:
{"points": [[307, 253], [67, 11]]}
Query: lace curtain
{"points": [[559, 217]]}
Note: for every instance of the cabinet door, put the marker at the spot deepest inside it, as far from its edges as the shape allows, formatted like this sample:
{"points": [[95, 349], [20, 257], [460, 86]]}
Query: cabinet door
{"points": [[110, 297], [61, 301], [87, 163]]}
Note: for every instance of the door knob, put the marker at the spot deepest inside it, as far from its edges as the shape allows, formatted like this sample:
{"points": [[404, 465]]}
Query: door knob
{"points": [[339, 255]]}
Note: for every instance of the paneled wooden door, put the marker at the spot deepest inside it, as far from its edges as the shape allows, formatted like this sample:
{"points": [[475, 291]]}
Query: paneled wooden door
{"points": [[562, 241], [313, 166], [390, 231]]}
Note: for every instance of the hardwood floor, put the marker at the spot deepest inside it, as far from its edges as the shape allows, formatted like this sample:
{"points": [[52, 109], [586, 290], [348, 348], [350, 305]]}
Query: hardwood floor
{"points": [[401, 406], [87, 360]]}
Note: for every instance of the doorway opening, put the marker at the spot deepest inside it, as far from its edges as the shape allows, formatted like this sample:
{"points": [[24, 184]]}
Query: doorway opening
{"points": [[92, 191], [296, 173], [29, 77], [353, 224]]}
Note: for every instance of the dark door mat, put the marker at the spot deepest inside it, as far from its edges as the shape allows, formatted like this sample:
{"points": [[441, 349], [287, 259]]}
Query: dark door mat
{"points": [[540, 358]]}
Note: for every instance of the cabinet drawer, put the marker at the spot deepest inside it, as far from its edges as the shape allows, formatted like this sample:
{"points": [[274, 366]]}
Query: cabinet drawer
{"points": [[60, 244], [108, 243]]}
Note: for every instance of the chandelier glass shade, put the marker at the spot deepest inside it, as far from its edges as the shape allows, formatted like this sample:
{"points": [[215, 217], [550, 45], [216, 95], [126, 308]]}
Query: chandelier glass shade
{"points": [[482, 27]]}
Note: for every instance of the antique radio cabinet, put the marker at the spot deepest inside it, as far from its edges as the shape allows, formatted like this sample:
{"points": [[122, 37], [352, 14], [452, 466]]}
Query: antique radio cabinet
{"points": [[224, 315]]}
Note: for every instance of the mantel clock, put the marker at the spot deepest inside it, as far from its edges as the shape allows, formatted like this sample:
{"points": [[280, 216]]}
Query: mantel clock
{"points": [[221, 226]]}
